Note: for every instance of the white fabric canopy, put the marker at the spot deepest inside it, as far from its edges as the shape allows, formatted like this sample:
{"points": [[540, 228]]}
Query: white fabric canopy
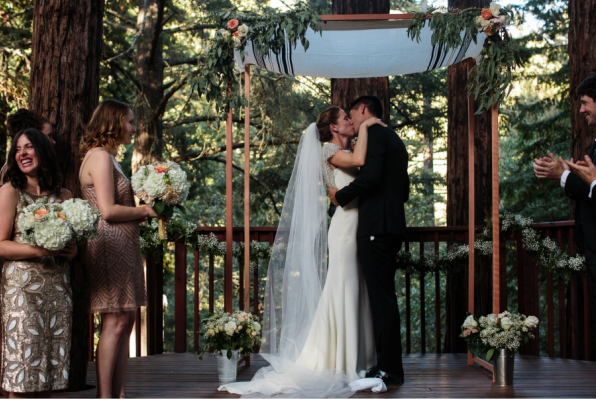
{"points": [[362, 49]]}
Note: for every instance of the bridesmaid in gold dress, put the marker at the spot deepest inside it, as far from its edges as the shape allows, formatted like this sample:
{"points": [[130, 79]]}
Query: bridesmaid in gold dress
{"points": [[36, 295], [113, 257]]}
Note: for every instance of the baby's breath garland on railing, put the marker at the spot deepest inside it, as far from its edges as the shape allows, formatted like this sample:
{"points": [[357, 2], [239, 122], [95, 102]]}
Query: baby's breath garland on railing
{"points": [[215, 77], [544, 250], [491, 79], [185, 231]]}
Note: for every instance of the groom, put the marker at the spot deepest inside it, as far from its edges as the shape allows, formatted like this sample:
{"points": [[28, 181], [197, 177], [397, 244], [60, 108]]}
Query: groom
{"points": [[382, 188]]}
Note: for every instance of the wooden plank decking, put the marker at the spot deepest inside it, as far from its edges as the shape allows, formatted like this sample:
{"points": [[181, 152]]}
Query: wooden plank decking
{"points": [[427, 376]]}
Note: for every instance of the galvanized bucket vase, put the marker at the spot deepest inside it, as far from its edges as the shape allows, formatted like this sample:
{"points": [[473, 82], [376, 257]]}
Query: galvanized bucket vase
{"points": [[504, 367], [227, 369]]}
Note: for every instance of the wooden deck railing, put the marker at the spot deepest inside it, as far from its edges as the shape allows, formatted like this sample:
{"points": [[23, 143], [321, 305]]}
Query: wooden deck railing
{"points": [[560, 302]]}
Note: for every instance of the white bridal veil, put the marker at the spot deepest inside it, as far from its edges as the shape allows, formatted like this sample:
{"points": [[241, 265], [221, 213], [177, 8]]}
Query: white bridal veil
{"points": [[295, 280]]}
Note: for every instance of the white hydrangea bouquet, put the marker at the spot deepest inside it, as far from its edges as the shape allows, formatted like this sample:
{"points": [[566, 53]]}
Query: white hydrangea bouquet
{"points": [[163, 186], [497, 331], [224, 331], [52, 225]]}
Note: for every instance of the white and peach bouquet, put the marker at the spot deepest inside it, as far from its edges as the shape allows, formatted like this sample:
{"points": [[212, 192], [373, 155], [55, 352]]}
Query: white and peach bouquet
{"points": [[163, 186], [234, 32], [507, 330], [226, 332], [492, 19], [53, 225]]}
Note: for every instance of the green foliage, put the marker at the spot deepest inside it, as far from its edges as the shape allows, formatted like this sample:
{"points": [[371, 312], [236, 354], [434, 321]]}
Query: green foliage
{"points": [[491, 80], [269, 33]]}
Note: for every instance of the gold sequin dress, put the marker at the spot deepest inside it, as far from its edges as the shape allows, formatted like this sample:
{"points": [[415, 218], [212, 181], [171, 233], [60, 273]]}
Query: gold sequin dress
{"points": [[36, 320], [113, 258]]}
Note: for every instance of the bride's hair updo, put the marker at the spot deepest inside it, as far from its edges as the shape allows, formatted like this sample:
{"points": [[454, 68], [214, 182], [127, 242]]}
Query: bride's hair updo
{"points": [[326, 118]]}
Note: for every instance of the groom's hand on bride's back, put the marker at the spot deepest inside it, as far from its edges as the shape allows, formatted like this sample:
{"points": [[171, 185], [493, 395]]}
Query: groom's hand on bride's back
{"points": [[331, 194]]}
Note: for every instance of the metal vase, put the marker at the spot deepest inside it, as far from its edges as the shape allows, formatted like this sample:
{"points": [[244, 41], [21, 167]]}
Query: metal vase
{"points": [[227, 368], [504, 367]]}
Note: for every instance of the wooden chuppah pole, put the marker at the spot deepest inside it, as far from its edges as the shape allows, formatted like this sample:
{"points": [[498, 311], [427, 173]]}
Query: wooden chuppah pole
{"points": [[471, 204], [247, 190], [496, 222], [229, 204]]}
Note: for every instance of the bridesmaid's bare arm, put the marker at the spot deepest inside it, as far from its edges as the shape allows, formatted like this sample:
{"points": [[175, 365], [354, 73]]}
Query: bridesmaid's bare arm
{"points": [[99, 169]]}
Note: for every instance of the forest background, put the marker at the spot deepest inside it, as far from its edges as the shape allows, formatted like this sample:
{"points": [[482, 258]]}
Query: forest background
{"points": [[150, 51]]}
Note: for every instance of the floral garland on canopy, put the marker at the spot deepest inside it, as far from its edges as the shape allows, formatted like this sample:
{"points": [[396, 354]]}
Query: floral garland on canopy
{"points": [[491, 79], [544, 250]]}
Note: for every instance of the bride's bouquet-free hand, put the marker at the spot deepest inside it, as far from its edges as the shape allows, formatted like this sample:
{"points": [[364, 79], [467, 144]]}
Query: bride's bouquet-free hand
{"points": [[163, 186], [497, 331], [226, 332], [53, 225]]}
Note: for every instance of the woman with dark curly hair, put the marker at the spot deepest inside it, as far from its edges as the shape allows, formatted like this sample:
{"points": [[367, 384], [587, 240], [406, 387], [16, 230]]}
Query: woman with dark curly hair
{"points": [[113, 258], [36, 295], [25, 119]]}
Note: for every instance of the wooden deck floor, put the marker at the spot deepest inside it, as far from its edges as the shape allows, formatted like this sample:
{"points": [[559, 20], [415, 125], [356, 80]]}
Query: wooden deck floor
{"points": [[427, 376]]}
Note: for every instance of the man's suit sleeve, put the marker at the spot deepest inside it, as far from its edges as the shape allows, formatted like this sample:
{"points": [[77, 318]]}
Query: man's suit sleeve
{"points": [[370, 173], [577, 188]]}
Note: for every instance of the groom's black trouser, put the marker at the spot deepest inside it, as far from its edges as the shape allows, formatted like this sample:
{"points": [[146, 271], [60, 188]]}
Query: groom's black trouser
{"points": [[378, 262], [591, 278]]}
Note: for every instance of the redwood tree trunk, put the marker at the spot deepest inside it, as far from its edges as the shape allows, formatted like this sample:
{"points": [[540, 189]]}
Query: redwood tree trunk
{"points": [[457, 190], [148, 144], [64, 87], [343, 91]]}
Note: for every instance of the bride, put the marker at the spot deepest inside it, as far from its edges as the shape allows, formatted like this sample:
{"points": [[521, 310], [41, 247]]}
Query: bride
{"points": [[317, 326]]}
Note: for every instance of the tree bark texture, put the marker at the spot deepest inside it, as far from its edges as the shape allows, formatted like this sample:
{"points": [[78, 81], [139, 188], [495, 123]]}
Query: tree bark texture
{"points": [[343, 91], [457, 192], [582, 64], [64, 87], [148, 145]]}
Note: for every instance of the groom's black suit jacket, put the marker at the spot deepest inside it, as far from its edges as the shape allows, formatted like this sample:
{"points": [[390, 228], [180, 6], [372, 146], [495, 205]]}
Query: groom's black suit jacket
{"points": [[383, 185], [585, 208]]}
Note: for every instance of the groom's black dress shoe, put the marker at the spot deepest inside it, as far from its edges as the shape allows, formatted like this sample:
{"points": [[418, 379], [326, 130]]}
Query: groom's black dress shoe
{"points": [[388, 378]]}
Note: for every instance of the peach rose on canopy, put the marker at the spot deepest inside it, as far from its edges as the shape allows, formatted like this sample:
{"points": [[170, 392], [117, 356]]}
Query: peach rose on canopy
{"points": [[236, 34], [233, 24], [487, 14]]}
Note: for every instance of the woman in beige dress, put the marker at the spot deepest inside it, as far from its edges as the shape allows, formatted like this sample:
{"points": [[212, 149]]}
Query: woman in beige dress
{"points": [[36, 295], [113, 258]]}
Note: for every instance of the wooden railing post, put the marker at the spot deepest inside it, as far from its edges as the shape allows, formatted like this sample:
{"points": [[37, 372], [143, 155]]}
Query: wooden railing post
{"points": [[197, 303], [422, 306], [154, 265], [408, 308], [180, 298], [437, 301]]}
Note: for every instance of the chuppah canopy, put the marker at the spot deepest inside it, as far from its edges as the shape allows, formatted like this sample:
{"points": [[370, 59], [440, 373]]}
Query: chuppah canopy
{"points": [[362, 49]]}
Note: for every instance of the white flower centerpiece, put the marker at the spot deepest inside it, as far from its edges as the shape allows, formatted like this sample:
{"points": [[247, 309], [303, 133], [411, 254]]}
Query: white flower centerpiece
{"points": [[163, 186], [497, 331], [492, 19], [498, 336], [230, 335], [52, 225]]}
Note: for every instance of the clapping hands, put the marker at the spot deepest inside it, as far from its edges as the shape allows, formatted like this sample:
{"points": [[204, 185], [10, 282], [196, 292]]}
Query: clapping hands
{"points": [[550, 167], [584, 169]]}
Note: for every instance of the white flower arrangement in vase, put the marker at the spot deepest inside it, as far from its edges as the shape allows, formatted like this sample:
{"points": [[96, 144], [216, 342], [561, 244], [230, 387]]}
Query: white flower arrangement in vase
{"points": [[226, 332], [497, 331]]}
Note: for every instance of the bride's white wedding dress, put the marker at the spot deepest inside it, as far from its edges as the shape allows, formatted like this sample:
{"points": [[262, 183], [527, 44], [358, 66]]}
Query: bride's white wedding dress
{"points": [[337, 345], [341, 336]]}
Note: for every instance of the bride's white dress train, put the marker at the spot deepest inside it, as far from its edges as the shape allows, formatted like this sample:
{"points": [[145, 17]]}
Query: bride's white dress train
{"points": [[340, 344]]}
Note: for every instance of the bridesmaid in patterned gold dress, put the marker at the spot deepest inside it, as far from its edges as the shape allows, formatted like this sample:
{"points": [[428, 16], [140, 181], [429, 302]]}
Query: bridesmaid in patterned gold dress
{"points": [[36, 295], [113, 257]]}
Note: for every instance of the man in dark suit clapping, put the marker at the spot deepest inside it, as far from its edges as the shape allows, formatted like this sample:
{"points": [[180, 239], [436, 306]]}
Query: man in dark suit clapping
{"points": [[579, 182]]}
